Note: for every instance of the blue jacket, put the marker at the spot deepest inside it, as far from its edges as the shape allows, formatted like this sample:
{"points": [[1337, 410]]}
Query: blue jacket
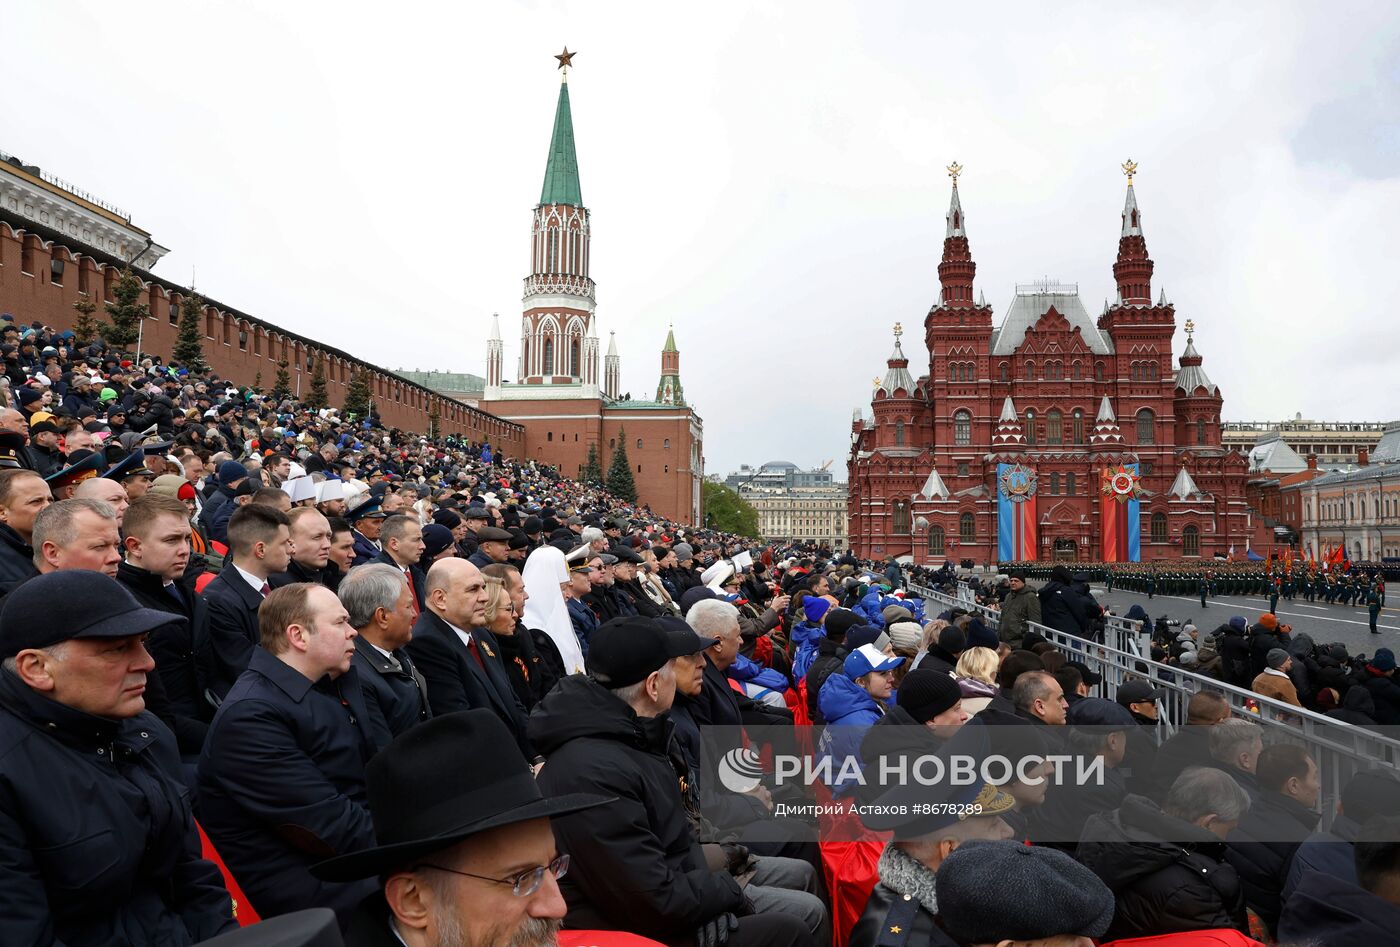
{"points": [[805, 637], [282, 785], [1337, 913], [747, 671], [870, 608], [97, 843], [849, 711], [1331, 853], [585, 622]]}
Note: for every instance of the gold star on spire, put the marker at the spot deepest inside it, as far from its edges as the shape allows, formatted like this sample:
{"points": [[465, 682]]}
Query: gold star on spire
{"points": [[566, 59], [1130, 168], [954, 170]]}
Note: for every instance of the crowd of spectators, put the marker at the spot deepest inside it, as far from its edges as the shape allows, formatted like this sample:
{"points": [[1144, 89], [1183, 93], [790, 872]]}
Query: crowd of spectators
{"points": [[260, 659]]}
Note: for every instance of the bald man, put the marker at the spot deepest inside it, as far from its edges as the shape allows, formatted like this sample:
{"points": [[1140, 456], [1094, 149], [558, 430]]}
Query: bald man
{"points": [[455, 653], [108, 491]]}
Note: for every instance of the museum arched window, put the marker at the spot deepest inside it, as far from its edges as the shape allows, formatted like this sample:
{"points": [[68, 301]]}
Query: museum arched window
{"points": [[900, 511], [1005, 370], [1054, 427], [1159, 528], [1069, 483], [1077, 371], [962, 428], [899, 433], [1201, 431], [1030, 370], [1055, 483], [1146, 427], [1190, 541], [1030, 426], [936, 542], [967, 529], [1077, 430], [1098, 371]]}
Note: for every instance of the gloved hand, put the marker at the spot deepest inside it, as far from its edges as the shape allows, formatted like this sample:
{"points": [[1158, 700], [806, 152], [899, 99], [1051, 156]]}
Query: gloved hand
{"points": [[715, 932]]}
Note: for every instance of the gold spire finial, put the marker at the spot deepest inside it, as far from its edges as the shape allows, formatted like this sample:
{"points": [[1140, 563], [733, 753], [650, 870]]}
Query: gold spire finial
{"points": [[954, 170], [566, 59], [1130, 168], [876, 381], [1190, 328], [898, 329]]}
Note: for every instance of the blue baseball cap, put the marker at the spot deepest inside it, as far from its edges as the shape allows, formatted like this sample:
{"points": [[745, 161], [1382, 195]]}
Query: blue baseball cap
{"points": [[867, 658]]}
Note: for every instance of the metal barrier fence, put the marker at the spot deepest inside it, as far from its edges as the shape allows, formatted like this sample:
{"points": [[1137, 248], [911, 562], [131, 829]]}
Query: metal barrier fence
{"points": [[1340, 749], [1123, 633]]}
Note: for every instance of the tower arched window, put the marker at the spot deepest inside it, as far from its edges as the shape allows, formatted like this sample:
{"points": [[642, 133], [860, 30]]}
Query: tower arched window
{"points": [[1146, 427], [899, 433], [1077, 371], [1098, 371], [1030, 426], [1152, 371], [573, 358], [553, 250], [1190, 541], [936, 543], [1069, 483], [1005, 372], [1159, 527], [1200, 431], [547, 365], [1054, 427], [1030, 370], [967, 529], [1055, 483], [962, 428], [1077, 429]]}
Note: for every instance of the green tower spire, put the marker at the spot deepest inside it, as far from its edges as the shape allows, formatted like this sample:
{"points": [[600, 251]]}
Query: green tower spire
{"points": [[561, 171]]}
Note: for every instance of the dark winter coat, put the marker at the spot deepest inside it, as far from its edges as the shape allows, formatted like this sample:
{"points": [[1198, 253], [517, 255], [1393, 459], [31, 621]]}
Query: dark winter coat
{"points": [[226, 618], [99, 847], [1261, 642], [1358, 707], [1234, 658], [1329, 852], [16, 560], [178, 697], [919, 928], [1385, 693], [1189, 746], [282, 785], [1064, 609], [396, 696], [829, 660], [532, 664], [1327, 911], [1166, 875], [1261, 847], [646, 872], [1017, 608]]}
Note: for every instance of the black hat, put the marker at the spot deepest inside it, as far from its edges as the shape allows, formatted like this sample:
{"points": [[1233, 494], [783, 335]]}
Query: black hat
{"points": [[627, 555], [10, 446], [72, 603], [625, 650], [43, 427], [1097, 712], [1138, 691], [1089, 677], [82, 465], [492, 534], [422, 802], [314, 927], [532, 525], [131, 463], [447, 518], [991, 891], [839, 621], [925, 693], [519, 540]]}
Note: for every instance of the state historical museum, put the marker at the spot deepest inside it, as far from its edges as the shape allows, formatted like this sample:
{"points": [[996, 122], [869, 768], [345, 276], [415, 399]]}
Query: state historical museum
{"points": [[1051, 436]]}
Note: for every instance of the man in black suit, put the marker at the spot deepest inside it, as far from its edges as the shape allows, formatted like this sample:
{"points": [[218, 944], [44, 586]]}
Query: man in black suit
{"points": [[157, 544], [402, 538], [227, 616], [457, 656], [380, 606]]}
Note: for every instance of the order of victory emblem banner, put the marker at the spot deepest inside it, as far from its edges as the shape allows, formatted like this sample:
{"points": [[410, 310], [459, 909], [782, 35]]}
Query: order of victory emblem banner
{"points": [[1120, 514], [1016, 484]]}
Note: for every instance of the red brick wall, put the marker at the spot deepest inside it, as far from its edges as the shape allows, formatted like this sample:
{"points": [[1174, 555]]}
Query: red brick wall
{"points": [[238, 347]]}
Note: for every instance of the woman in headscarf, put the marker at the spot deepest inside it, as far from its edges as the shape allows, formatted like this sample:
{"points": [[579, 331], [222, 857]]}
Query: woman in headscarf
{"points": [[545, 575]]}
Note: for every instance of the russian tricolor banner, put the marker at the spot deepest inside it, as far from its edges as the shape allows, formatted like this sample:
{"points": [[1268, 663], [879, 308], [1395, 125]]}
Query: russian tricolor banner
{"points": [[1015, 513], [1122, 522]]}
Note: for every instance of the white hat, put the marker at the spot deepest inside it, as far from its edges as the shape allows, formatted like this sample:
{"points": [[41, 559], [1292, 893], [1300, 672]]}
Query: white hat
{"points": [[328, 490], [299, 488]]}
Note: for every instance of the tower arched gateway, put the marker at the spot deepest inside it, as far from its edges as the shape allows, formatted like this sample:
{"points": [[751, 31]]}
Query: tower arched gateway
{"points": [[1015, 432]]}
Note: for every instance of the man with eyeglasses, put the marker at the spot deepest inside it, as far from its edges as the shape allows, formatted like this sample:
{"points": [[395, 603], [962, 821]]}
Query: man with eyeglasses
{"points": [[465, 854]]}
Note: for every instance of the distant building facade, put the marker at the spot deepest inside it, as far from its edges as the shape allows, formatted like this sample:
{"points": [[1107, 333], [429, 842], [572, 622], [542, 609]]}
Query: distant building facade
{"points": [[1086, 424], [462, 386], [1334, 442], [565, 399], [1358, 508], [794, 505]]}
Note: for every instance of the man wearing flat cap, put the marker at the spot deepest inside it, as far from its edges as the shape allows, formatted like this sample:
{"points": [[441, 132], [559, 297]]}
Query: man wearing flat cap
{"points": [[607, 732], [492, 546], [464, 854], [97, 842]]}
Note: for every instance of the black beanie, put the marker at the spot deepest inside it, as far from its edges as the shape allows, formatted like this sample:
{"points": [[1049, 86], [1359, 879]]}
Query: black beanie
{"points": [[953, 640], [925, 693], [839, 621]]}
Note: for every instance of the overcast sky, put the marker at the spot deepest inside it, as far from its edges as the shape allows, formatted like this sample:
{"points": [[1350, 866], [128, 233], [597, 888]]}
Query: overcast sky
{"points": [[766, 176]]}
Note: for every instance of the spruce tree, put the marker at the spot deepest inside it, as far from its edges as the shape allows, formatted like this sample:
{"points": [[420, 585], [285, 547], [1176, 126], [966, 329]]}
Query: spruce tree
{"points": [[282, 384], [620, 483], [85, 327], [126, 313], [357, 396], [316, 398], [189, 344], [434, 422], [257, 382], [592, 470]]}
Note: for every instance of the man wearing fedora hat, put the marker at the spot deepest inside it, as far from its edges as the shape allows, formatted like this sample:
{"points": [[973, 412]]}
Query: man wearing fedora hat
{"points": [[97, 843], [465, 856], [608, 732]]}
